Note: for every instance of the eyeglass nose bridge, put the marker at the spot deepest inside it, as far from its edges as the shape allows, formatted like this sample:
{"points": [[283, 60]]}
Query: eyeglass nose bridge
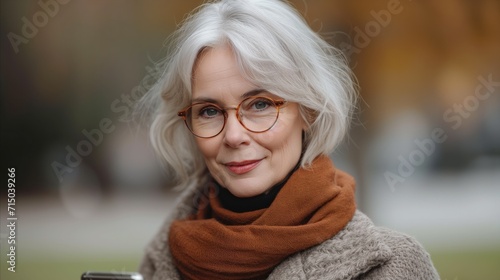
{"points": [[236, 109], [237, 113]]}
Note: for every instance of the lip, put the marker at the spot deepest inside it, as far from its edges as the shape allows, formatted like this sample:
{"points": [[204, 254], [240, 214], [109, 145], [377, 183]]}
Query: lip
{"points": [[242, 167]]}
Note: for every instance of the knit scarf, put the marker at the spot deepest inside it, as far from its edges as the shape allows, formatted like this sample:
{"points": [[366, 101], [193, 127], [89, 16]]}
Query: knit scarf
{"points": [[215, 243]]}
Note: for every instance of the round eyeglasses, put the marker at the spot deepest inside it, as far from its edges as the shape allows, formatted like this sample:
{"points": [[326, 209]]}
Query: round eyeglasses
{"points": [[255, 113]]}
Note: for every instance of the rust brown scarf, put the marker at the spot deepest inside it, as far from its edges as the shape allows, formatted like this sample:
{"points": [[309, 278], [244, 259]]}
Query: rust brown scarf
{"points": [[313, 205]]}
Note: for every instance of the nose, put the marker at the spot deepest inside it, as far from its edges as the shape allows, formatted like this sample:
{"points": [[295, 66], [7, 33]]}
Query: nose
{"points": [[234, 133]]}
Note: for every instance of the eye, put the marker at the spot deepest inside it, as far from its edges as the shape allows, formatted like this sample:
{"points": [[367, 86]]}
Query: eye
{"points": [[260, 104], [209, 112]]}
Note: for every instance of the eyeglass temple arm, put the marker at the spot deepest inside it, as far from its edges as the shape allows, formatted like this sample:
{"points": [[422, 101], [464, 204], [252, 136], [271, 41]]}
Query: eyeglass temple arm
{"points": [[280, 103]]}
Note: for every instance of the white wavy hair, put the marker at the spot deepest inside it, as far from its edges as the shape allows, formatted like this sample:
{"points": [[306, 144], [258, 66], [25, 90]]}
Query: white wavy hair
{"points": [[276, 50]]}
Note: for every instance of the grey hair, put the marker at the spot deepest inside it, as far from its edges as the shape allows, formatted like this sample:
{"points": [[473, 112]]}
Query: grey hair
{"points": [[276, 50]]}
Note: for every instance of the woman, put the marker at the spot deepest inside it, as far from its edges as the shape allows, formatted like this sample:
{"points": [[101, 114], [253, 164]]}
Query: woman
{"points": [[251, 103]]}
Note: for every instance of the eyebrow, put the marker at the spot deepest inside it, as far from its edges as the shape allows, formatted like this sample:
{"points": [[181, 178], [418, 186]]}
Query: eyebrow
{"points": [[253, 92]]}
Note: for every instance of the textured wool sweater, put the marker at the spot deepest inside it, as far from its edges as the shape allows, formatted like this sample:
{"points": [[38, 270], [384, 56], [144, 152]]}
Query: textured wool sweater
{"points": [[359, 251]]}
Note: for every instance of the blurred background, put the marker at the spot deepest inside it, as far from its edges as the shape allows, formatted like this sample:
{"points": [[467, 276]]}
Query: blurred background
{"points": [[424, 146]]}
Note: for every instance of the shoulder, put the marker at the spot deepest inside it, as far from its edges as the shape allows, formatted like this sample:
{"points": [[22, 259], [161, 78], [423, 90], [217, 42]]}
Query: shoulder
{"points": [[360, 251], [157, 262], [409, 260]]}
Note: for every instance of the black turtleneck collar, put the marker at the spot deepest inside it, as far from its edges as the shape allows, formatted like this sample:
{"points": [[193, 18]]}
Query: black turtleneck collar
{"points": [[247, 204]]}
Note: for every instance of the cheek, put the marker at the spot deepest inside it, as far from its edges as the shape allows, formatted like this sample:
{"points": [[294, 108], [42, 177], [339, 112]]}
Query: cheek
{"points": [[283, 139], [208, 148]]}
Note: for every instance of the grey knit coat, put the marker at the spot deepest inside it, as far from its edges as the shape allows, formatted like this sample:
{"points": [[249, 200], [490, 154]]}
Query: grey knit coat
{"points": [[360, 251]]}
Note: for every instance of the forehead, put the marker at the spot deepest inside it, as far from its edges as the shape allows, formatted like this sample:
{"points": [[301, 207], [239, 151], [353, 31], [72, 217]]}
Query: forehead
{"points": [[216, 75]]}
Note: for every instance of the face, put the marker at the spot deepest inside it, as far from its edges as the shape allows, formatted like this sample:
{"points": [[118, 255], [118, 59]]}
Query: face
{"points": [[244, 162]]}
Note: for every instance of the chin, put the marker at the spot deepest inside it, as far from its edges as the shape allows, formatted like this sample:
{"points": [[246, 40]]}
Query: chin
{"points": [[244, 189]]}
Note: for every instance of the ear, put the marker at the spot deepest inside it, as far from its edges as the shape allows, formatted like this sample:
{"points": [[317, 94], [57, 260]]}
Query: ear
{"points": [[308, 117], [305, 126]]}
